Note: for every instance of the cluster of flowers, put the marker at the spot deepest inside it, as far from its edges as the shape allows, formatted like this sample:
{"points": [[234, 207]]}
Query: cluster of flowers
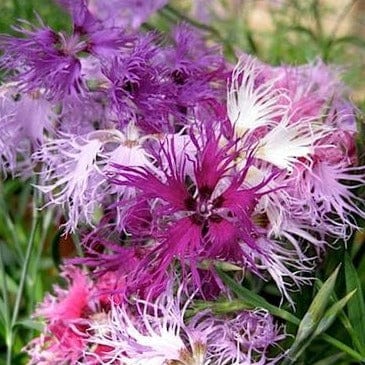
{"points": [[170, 161]]}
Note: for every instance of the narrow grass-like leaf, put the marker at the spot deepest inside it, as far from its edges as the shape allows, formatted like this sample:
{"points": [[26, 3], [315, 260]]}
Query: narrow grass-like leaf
{"points": [[311, 319], [3, 313], [343, 318], [331, 360], [356, 308], [305, 30], [343, 347], [253, 299], [28, 323], [356, 41], [316, 310], [4, 294], [332, 313], [326, 321]]}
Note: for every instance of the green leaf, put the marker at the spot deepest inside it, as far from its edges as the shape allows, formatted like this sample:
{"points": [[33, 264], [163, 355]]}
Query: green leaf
{"points": [[331, 360], [254, 300], [222, 265], [356, 308], [343, 347], [332, 313], [316, 310], [218, 307], [357, 41], [31, 324], [3, 312], [312, 318], [304, 30]]}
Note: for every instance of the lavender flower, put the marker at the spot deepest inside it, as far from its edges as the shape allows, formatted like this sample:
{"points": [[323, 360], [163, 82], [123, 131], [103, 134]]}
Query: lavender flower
{"points": [[125, 13], [295, 105], [24, 118], [198, 72], [74, 175], [159, 334]]}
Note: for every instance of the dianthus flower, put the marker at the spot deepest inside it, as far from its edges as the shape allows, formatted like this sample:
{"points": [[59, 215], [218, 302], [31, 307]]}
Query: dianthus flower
{"points": [[44, 60], [24, 118], [204, 215], [74, 176], [304, 107], [245, 196], [69, 315], [158, 333]]}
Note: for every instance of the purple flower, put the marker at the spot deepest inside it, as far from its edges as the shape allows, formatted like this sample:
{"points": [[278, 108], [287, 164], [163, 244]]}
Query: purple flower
{"points": [[74, 170], [71, 176], [138, 89], [198, 72], [246, 339], [100, 39], [44, 60], [83, 20]]}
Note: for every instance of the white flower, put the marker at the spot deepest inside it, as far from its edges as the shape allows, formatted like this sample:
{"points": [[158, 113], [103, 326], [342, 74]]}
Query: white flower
{"points": [[286, 143], [76, 169], [250, 105]]}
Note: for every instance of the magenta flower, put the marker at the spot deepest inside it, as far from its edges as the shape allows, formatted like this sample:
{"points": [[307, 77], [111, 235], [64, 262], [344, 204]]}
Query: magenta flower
{"points": [[206, 216]]}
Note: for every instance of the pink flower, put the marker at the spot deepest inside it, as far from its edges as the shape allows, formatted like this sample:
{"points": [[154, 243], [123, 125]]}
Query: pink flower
{"points": [[69, 315]]}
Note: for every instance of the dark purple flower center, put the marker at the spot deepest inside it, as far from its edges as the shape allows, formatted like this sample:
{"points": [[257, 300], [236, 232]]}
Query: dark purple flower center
{"points": [[130, 87], [204, 207], [179, 77]]}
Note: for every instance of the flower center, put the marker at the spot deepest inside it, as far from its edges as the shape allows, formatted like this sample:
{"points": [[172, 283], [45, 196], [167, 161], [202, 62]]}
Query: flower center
{"points": [[204, 207]]}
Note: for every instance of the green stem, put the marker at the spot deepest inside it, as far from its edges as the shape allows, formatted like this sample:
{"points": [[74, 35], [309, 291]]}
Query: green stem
{"points": [[6, 307], [318, 18], [332, 37], [31, 241], [9, 224]]}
